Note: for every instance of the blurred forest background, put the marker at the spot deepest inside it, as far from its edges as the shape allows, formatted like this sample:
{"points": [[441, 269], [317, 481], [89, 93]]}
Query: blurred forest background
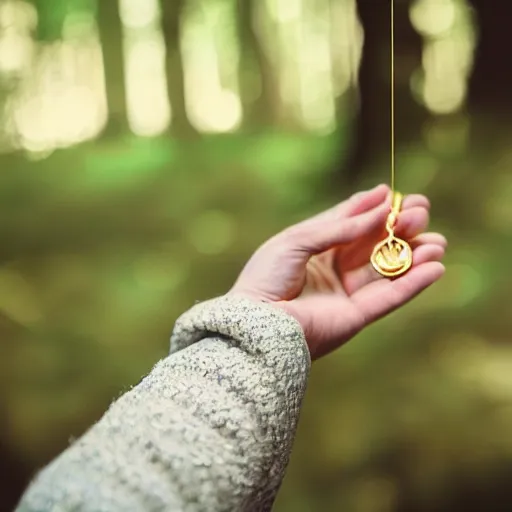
{"points": [[148, 147]]}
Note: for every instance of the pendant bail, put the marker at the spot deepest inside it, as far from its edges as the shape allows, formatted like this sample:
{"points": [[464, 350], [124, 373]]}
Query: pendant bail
{"points": [[396, 205]]}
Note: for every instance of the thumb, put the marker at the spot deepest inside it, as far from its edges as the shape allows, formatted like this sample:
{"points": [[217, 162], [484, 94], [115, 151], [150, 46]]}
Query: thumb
{"points": [[320, 235]]}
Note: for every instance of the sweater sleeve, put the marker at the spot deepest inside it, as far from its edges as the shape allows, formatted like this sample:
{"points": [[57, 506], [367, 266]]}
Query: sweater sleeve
{"points": [[209, 429]]}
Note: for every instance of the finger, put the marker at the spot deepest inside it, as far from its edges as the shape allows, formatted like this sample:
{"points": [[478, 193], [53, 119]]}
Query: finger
{"points": [[364, 201], [429, 238], [358, 203], [363, 276], [413, 200], [315, 237], [410, 223], [384, 296]]}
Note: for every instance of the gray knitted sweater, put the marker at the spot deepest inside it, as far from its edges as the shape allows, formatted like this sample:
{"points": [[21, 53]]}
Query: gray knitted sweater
{"points": [[209, 429]]}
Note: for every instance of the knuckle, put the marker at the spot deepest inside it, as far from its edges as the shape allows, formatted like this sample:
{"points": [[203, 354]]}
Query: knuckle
{"points": [[289, 236], [357, 196], [338, 213]]}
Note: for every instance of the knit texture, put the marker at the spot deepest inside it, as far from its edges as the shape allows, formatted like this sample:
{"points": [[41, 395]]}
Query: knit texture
{"points": [[209, 429]]}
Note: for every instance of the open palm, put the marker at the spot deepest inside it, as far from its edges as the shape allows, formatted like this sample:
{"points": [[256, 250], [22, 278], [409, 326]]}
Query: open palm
{"points": [[319, 271]]}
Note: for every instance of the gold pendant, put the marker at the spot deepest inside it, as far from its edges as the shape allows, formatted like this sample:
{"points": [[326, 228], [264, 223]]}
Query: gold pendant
{"points": [[392, 257]]}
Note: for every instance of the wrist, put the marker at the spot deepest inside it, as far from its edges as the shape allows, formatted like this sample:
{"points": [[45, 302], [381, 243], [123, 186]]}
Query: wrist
{"points": [[287, 307]]}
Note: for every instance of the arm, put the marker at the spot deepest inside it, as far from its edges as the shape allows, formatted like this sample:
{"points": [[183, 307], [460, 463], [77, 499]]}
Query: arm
{"points": [[209, 429]]}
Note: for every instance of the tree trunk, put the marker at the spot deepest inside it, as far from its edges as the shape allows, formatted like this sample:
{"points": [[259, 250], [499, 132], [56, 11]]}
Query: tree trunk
{"points": [[111, 36], [171, 17], [491, 81], [258, 85]]}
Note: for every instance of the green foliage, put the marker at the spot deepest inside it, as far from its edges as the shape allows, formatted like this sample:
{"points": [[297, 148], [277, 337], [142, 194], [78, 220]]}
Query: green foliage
{"points": [[52, 14]]}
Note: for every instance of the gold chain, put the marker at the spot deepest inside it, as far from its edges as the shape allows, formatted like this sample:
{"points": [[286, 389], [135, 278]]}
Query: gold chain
{"points": [[393, 95]]}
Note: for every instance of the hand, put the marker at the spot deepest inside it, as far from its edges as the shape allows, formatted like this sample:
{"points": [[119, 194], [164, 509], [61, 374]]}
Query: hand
{"points": [[319, 270]]}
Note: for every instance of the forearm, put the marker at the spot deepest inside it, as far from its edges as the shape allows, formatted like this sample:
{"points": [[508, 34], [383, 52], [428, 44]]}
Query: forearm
{"points": [[209, 429]]}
